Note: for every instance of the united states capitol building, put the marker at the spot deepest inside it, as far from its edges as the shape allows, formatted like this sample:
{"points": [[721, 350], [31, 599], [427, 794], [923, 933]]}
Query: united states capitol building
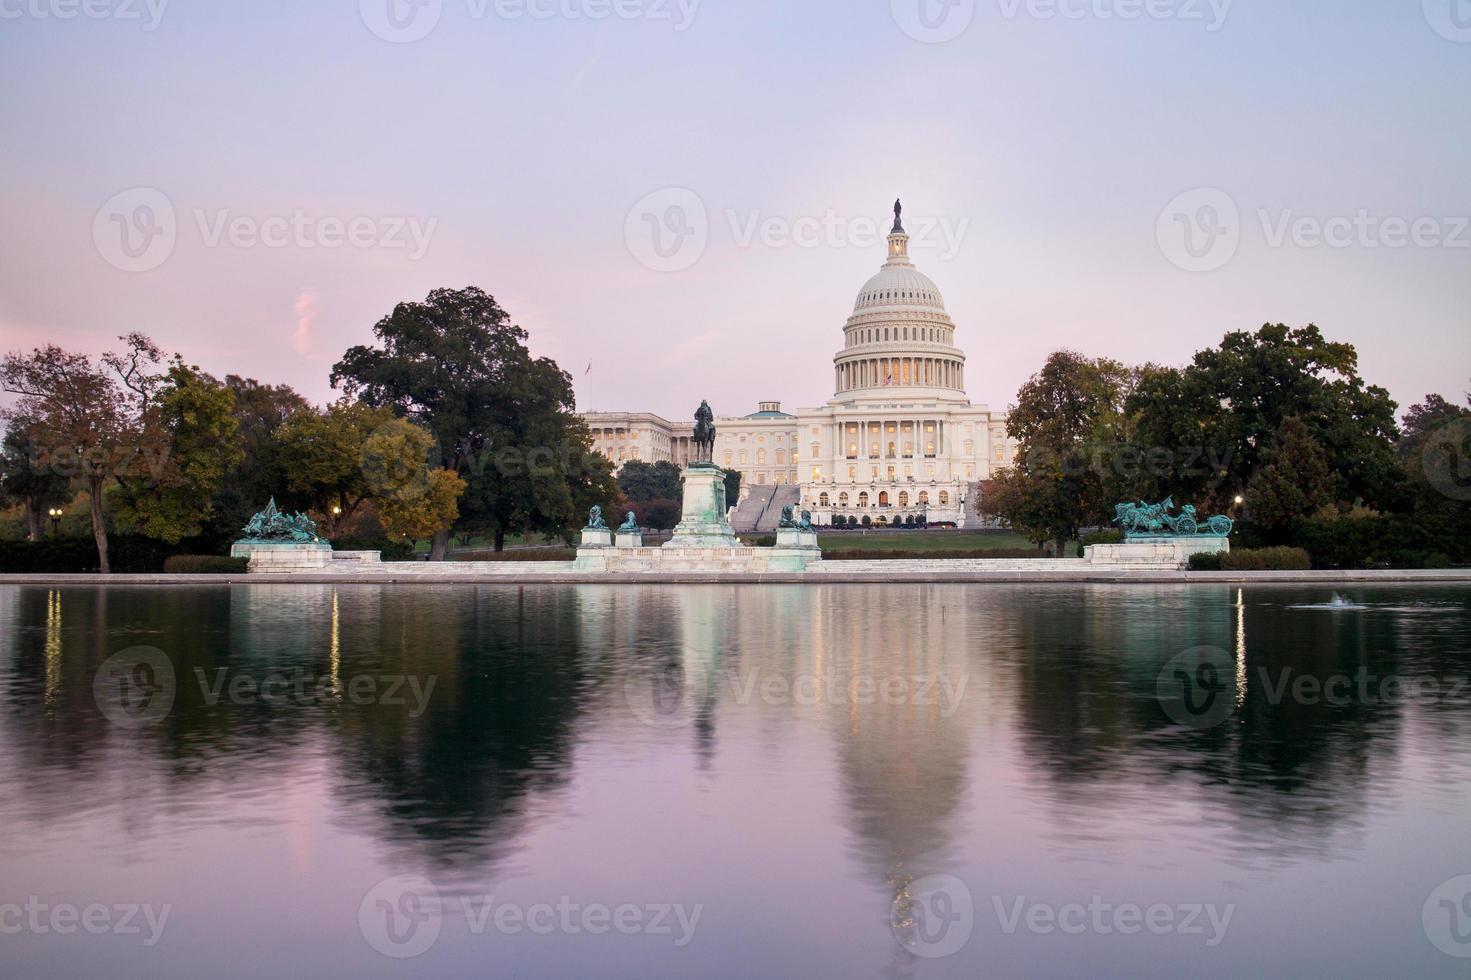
{"points": [[898, 439]]}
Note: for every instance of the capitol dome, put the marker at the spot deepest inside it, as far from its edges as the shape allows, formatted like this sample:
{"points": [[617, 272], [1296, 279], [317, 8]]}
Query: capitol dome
{"points": [[899, 335]]}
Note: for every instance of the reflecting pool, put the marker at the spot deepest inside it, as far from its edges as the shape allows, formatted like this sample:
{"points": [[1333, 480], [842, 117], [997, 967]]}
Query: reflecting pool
{"points": [[843, 780]]}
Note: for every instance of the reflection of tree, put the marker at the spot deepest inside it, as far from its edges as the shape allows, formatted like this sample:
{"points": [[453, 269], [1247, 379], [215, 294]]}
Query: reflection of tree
{"points": [[507, 687], [451, 787], [1273, 778]]}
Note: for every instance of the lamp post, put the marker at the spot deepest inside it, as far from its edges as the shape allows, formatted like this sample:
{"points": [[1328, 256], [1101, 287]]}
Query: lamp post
{"points": [[55, 521]]}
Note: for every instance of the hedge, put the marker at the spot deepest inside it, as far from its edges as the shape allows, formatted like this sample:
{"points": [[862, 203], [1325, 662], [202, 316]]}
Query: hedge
{"points": [[126, 553], [1252, 560], [205, 565]]}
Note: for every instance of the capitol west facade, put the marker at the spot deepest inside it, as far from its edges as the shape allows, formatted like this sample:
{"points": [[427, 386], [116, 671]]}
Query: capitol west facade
{"points": [[899, 438]]}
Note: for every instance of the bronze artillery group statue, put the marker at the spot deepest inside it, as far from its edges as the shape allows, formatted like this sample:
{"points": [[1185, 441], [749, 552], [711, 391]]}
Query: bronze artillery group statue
{"points": [[1141, 520]]}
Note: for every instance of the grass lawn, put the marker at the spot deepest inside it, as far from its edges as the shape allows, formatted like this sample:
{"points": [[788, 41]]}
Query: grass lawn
{"points": [[925, 541]]}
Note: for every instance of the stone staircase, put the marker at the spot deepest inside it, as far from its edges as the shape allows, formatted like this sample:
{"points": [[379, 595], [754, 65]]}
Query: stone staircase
{"points": [[972, 512], [748, 515]]}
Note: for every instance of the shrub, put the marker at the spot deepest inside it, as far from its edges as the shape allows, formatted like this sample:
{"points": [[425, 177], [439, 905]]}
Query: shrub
{"points": [[1099, 537], [126, 553], [1205, 561], [1266, 560], [205, 565], [867, 521]]}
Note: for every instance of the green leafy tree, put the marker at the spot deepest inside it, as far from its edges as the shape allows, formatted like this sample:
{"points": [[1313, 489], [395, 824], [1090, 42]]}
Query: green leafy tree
{"points": [[503, 421], [1069, 422], [641, 481], [1229, 404], [25, 478], [189, 441], [1294, 484], [259, 411]]}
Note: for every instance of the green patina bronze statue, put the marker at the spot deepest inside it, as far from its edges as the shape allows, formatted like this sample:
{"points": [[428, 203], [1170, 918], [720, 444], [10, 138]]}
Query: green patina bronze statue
{"points": [[631, 524], [272, 525], [1141, 520], [595, 519], [704, 434]]}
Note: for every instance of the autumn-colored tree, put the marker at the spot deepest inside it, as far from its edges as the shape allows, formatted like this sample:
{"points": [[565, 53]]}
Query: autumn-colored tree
{"points": [[422, 509], [85, 423], [1068, 420]]}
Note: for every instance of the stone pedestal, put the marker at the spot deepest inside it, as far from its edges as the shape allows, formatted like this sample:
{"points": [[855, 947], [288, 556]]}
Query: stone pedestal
{"points": [[792, 537], [597, 537], [1156, 551], [283, 556], [630, 539], [703, 523]]}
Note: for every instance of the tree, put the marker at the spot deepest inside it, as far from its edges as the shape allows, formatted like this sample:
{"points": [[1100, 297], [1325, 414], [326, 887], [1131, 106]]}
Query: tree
{"points": [[191, 438], [25, 479], [259, 411], [421, 509], [1228, 406], [1294, 484], [1435, 451], [82, 419], [1069, 420], [641, 481], [503, 421]]}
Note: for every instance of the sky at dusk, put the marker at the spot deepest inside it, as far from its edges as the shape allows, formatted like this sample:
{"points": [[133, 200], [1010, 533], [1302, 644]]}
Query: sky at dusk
{"points": [[680, 200]]}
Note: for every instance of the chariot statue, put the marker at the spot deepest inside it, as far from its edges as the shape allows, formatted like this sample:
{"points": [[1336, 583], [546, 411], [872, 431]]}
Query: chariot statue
{"points": [[1141, 520]]}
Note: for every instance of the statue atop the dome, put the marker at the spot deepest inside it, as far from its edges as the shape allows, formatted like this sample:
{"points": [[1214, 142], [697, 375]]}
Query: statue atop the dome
{"points": [[704, 434], [898, 218]]}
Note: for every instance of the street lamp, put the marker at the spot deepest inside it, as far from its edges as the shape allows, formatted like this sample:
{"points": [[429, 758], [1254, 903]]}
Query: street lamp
{"points": [[55, 521]]}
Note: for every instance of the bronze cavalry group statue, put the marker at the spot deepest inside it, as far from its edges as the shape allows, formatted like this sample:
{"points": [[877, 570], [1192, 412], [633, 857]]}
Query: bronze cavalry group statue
{"points": [[1141, 520]]}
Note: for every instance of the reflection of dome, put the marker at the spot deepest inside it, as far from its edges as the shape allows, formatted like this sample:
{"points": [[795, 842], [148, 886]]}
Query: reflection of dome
{"points": [[899, 335]]}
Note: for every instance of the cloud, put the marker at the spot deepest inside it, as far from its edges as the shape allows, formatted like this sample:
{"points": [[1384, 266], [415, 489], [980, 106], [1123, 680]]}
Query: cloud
{"points": [[305, 307]]}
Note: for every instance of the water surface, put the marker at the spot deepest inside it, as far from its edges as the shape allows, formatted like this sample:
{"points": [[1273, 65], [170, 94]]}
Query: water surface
{"points": [[840, 780]]}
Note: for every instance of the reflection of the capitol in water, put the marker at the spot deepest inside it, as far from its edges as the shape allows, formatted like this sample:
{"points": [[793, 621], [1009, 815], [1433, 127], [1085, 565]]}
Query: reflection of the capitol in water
{"points": [[803, 762]]}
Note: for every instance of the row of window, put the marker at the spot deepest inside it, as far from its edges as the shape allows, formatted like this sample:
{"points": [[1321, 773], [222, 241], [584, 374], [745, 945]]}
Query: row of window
{"points": [[922, 500], [874, 335]]}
